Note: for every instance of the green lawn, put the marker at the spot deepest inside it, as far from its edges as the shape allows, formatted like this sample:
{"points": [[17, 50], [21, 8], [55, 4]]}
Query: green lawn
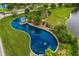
{"points": [[15, 43], [4, 10], [59, 15]]}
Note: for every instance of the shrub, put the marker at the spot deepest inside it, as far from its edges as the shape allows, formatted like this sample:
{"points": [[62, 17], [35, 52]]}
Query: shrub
{"points": [[49, 52], [30, 17]]}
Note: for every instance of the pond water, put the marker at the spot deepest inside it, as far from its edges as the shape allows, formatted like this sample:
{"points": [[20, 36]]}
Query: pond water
{"points": [[73, 23]]}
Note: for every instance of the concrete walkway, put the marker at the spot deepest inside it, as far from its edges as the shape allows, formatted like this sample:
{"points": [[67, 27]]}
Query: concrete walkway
{"points": [[1, 16], [1, 48]]}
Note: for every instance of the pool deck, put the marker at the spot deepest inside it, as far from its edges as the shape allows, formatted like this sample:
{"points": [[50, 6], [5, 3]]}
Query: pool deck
{"points": [[40, 26]]}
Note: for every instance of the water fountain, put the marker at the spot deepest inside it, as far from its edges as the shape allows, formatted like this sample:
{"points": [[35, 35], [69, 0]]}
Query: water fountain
{"points": [[23, 21]]}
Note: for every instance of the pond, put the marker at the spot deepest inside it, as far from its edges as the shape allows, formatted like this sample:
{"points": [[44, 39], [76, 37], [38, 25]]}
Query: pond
{"points": [[73, 23]]}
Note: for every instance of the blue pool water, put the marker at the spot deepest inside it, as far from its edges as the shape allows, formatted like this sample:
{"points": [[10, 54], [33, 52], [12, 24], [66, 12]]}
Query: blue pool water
{"points": [[40, 39]]}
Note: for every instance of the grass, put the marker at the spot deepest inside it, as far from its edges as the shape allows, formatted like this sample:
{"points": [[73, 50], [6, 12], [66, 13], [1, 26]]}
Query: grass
{"points": [[4, 10], [59, 15], [15, 43]]}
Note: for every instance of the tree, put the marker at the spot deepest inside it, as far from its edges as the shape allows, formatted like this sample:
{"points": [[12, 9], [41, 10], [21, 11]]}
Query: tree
{"points": [[49, 12], [60, 4], [27, 11], [30, 17], [45, 11], [37, 20], [68, 5], [45, 6], [76, 5], [38, 12], [21, 5], [14, 12], [10, 6], [18, 5], [52, 5], [49, 52]]}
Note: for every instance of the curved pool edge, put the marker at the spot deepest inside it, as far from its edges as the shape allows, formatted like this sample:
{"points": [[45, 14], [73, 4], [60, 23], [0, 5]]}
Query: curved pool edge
{"points": [[49, 32], [30, 37]]}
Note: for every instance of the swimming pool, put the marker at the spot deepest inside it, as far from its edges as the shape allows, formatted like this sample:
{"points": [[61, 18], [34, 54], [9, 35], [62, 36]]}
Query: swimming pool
{"points": [[40, 39]]}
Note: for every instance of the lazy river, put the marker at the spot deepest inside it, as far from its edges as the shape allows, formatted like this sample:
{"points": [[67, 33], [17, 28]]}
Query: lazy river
{"points": [[40, 38]]}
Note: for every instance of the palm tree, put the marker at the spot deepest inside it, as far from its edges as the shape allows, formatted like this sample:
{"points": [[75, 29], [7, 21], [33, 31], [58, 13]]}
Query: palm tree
{"points": [[45, 10], [14, 12]]}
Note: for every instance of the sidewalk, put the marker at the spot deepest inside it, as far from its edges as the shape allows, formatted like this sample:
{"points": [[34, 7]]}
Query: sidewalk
{"points": [[1, 48], [1, 16]]}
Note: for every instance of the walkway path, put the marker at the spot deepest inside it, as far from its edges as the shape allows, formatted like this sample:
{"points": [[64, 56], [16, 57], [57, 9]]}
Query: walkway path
{"points": [[1, 16], [1, 48]]}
